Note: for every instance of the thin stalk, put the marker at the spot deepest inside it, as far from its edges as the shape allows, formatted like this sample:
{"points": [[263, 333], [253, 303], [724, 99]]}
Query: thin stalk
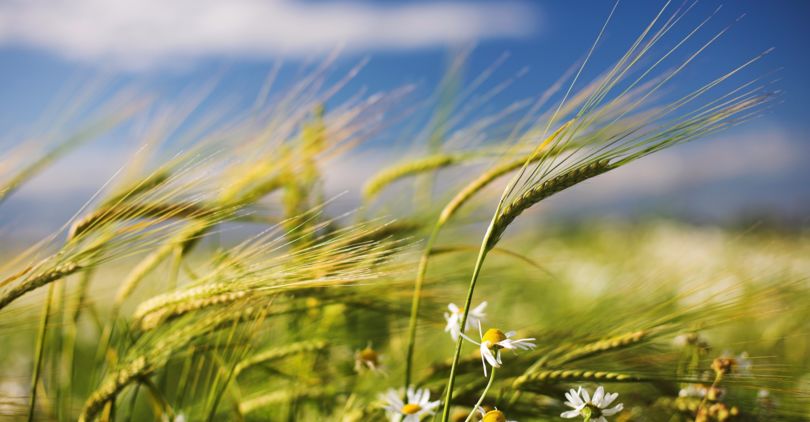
{"points": [[479, 262], [486, 246], [73, 312], [174, 271], [447, 212], [133, 401], [415, 302], [56, 343], [483, 395], [39, 352], [717, 378]]}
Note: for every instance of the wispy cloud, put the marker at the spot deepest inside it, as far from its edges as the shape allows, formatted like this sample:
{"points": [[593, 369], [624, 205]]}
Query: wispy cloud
{"points": [[148, 32], [765, 153]]}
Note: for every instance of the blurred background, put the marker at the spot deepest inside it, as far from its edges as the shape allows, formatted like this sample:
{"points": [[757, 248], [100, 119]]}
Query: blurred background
{"points": [[55, 54]]}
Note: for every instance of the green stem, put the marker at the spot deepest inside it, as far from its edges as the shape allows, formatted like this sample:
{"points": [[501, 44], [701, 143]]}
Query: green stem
{"points": [[72, 314], [39, 353], [717, 379], [483, 395], [479, 262], [415, 302], [133, 401]]}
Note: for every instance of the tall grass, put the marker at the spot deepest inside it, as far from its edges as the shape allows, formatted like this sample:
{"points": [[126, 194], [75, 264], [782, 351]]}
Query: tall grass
{"points": [[223, 283]]}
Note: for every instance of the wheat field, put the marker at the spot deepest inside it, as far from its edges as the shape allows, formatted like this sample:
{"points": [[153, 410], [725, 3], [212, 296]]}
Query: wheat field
{"points": [[216, 278]]}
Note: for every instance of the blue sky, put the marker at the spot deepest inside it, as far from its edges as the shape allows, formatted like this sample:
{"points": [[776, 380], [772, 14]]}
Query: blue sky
{"points": [[49, 49]]}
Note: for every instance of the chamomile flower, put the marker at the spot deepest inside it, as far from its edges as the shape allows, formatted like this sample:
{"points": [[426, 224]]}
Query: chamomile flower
{"points": [[493, 341], [418, 404], [474, 317], [494, 415], [368, 359], [591, 408]]}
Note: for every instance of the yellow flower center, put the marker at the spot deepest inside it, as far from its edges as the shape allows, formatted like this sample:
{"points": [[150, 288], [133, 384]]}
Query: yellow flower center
{"points": [[410, 409], [369, 355], [494, 336], [494, 416]]}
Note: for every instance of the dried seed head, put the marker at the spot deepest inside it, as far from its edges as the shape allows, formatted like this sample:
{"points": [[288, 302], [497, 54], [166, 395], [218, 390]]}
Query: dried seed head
{"points": [[723, 365], [714, 393]]}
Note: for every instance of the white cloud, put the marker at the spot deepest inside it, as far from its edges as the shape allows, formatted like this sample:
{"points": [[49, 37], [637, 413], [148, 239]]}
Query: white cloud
{"points": [[147, 32], [766, 153]]}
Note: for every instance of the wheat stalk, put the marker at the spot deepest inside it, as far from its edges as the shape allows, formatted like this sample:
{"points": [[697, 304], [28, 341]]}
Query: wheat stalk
{"points": [[411, 168], [156, 352], [601, 346], [542, 191], [36, 281], [126, 211], [280, 353], [535, 381]]}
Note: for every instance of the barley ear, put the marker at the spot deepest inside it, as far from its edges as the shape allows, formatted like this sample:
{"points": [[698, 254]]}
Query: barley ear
{"points": [[543, 191]]}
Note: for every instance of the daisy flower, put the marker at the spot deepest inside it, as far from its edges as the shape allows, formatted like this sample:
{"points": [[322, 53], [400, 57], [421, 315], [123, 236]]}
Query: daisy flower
{"points": [[418, 404], [591, 408], [492, 416], [493, 341], [369, 359], [474, 317]]}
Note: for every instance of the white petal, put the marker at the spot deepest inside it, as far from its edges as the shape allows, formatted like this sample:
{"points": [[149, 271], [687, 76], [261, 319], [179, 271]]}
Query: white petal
{"points": [[570, 414], [428, 408], [392, 397], [569, 395], [410, 393], [521, 344], [487, 353], [453, 308], [600, 419], [575, 398], [510, 334], [425, 399], [597, 396], [609, 399], [586, 397], [469, 339], [612, 411]]}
